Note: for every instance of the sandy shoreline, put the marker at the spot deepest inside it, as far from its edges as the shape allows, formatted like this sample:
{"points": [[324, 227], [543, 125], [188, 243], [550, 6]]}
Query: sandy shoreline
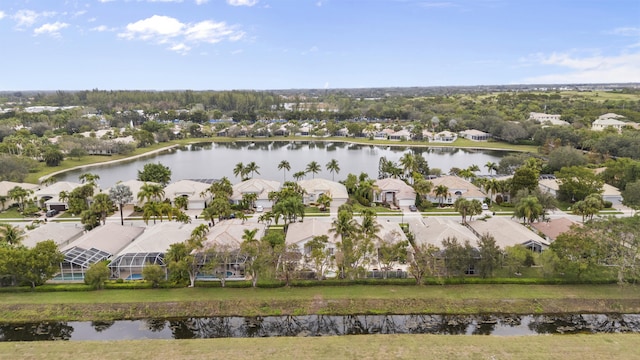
{"points": [[153, 152]]}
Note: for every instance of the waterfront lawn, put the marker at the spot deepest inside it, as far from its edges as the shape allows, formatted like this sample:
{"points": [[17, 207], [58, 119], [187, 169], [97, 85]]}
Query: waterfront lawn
{"points": [[567, 347], [353, 292]]}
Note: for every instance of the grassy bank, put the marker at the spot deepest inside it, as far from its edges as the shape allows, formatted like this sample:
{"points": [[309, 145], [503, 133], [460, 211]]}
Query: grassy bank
{"points": [[567, 347], [451, 299]]}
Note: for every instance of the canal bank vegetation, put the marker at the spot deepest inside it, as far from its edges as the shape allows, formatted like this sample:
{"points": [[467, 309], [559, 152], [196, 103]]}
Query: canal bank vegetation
{"points": [[384, 347], [327, 300]]}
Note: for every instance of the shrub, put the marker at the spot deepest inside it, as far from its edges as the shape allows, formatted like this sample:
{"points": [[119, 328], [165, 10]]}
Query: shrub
{"points": [[97, 274]]}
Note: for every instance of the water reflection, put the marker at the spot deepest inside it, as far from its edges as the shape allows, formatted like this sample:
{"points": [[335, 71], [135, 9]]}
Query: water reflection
{"points": [[210, 160], [322, 325]]}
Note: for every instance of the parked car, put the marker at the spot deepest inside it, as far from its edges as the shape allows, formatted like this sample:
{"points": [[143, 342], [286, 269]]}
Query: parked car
{"points": [[52, 213], [413, 208], [485, 206], [259, 208]]}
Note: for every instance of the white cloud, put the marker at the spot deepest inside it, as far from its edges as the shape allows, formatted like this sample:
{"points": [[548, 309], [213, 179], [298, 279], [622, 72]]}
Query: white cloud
{"points": [[593, 68], [242, 2], [27, 18], [102, 28], [431, 4], [158, 28], [164, 29], [2, 15], [626, 31], [52, 29], [200, 2]]}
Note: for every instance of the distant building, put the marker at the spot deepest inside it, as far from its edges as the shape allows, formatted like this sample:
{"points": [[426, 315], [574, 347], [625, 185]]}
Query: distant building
{"points": [[611, 120], [543, 118], [475, 135]]}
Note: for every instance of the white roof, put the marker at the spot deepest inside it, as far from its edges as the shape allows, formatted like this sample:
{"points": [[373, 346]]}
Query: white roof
{"points": [[110, 238], [402, 190], [507, 232], [260, 187], [333, 188], [433, 230], [55, 189], [158, 237], [134, 186], [189, 188], [307, 230], [5, 186], [230, 232], [455, 183], [60, 233]]}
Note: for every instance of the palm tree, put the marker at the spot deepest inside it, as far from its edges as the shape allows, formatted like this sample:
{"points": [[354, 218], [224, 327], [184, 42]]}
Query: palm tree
{"points": [[239, 171], [252, 168], [19, 195], [3, 201], [12, 235], [285, 166], [102, 205], [408, 162], [529, 209], [149, 191], [181, 202], [121, 195], [313, 168], [441, 192], [89, 178], [333, 167], [491, 166], [299, 175]]}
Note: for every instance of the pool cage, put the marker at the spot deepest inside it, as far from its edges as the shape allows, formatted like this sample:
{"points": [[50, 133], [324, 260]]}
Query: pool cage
{"points": [[232, 268], [129, 266], [76, 262]]}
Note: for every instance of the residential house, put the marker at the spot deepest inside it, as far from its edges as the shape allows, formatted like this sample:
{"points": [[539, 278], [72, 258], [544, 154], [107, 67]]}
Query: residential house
{"points": [[457, 188], [393, 192], [260, 187], [99, 244], [49, 196], [61, 234], [148, 248], [551, 119], [434, 230], [508, 232], [315, 187], [6, 186], [401, 135], [475, 135], [444, 137], [611, 120], [551, 228], [134, 186], [195, 192]]}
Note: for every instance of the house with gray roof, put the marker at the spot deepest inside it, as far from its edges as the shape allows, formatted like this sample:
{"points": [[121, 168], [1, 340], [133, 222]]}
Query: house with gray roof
{"points": [[393, 192]]}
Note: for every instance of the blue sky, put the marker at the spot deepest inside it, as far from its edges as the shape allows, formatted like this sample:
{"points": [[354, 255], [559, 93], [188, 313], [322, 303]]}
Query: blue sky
{"points": [[284, 44]]}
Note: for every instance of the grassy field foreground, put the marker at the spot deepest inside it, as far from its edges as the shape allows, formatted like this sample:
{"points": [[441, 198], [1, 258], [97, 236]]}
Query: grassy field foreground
{"points": [[336, 300], [569, 347]]}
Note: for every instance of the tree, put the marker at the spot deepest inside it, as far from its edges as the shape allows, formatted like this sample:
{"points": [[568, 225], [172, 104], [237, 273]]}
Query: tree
{"points": [[151, 209], [491, 166], [181, 202], [285, 166], [154, 274], [150, 192], [458, 257], [467, 208], [489, 255], [52, 156], [408, 163], [299, 175], [525, 177], [157, 173], [19, 195], [565, 156], [252, 168], [423, 261], [89, 178], [11, 235], [318, 255], [516, 258], [528, 209], [576, 183], [313, 168], [588, 207], [121, 194], [324, 201], [97, 274], [333, 168], [255, 252], [240, 171], [102, 205], [631, 195], [391, 251], [441, 192]]}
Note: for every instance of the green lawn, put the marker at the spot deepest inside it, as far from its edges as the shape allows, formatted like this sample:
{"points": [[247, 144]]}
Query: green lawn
{"points": [[567, 347]]}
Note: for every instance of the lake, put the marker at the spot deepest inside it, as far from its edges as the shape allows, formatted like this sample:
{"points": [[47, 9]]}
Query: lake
{"points": [[322, 325], [213, 160]]}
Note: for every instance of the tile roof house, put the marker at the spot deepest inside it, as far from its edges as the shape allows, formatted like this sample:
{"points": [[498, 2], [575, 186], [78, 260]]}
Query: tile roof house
{"points": [[457, 187], [315, 187], [50, 195], [554, 227], [134, 186], [6, 186], [475, 135], [260, 187], [508, 232], [394, 192], [433, 230], [195, 192]]}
